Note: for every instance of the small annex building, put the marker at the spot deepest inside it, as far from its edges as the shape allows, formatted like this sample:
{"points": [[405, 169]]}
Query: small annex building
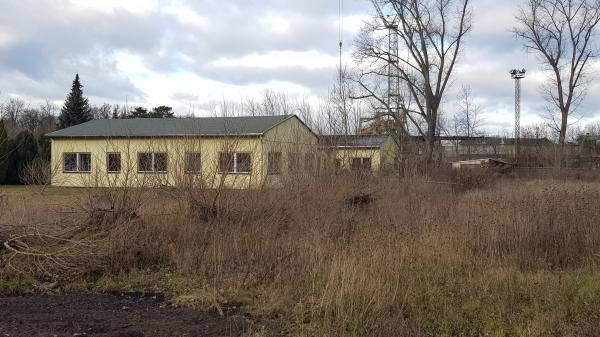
{"points": [[360, 152], [230, 152]]}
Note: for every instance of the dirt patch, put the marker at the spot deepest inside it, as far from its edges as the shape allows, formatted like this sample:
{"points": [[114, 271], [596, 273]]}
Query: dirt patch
{"points": [[109, 315]]}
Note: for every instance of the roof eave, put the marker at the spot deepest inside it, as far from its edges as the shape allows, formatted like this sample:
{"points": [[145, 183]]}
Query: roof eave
{"points": [[253, 135]]}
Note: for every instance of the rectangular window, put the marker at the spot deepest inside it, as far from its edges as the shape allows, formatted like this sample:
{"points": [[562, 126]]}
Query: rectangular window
{"points": [[152, 162], [235, 162], [193, 162], [309, 162], [242, 163], [160, 162], [113, 162], [293, 162], [274, 163], [70, 162], [361, 164], [77, 162], [225, 162]]}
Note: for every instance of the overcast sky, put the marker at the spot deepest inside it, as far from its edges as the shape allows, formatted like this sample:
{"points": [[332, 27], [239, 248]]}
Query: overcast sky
{"points": [[187, 53]]}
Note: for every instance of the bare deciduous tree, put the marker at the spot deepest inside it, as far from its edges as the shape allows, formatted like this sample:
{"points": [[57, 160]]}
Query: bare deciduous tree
{"points": [[561, 33], [30, 120], [537, 131], [12, 110], [431, 34], [101, 111], [342, 113], [468, 118]]}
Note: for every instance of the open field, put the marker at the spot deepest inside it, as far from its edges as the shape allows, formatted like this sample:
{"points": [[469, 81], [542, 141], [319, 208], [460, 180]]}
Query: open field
{"points": [[338, 257]]}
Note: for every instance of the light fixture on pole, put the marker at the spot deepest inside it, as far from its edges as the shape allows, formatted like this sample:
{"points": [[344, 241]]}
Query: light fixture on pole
{"points": [[517, 75]]}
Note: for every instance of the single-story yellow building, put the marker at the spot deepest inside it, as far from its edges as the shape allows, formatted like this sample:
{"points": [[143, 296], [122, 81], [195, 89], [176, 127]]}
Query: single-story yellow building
{"points": [[230, 152], [361, 152]]}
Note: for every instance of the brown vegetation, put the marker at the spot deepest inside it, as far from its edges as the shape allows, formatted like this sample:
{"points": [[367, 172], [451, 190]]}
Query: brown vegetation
{"points": [[411, 258]]}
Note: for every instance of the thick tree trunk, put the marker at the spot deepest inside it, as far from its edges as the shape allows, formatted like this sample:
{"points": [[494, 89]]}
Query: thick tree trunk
{"points": [[430, 143]]}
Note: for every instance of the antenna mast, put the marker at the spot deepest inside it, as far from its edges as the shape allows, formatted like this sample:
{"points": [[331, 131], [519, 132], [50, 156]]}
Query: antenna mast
{"points": [[341, 89]]}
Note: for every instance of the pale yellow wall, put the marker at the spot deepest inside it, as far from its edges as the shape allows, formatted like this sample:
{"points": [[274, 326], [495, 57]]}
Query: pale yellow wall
{"points": [[382, 158], [175, 149], [290, 136], [389, 154], [345, 155]]}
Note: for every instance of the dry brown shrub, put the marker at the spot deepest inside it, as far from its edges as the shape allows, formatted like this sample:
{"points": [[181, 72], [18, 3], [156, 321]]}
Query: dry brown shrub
{"points": [[417, 259]]}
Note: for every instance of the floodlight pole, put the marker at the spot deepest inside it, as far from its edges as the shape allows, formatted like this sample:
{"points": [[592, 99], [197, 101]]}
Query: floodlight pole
{"points": [[517, 75]]}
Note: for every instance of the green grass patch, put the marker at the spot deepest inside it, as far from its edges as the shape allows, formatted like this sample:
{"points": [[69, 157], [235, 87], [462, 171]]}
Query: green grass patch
{"points": [[16, 286]]}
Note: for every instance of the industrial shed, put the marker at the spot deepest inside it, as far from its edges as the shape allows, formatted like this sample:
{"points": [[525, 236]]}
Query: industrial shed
{"points": [[231, 152]]}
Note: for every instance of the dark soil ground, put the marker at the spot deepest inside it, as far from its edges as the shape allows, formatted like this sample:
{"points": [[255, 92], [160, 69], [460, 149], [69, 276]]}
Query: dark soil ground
{"points": [[109, 315]]}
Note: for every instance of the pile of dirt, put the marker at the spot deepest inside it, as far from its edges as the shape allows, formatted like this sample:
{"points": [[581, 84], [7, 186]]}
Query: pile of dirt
{"points": [[110, 316]]}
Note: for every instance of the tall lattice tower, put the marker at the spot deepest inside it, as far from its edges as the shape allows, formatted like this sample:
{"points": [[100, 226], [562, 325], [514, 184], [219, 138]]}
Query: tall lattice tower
{"points": [[393, 99], [517, 75]]}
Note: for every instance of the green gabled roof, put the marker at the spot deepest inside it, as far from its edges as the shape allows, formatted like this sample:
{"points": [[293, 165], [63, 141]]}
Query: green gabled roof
{"points": [[172, 127]]}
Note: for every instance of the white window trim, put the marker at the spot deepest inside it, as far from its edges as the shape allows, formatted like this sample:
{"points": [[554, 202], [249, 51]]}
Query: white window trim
{"points": [[277, 154], [77, 162], [235, 156], [108, 154], [152, 162]]}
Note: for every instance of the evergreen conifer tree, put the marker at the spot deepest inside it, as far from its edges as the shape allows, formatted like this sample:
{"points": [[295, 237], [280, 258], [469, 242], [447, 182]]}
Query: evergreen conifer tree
{"points": [[139, 112], [162, 112], [25, 150], [76, 109]]}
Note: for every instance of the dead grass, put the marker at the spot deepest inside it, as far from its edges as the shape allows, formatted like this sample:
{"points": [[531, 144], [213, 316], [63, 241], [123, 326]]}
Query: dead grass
{"points": [[505, 258]]}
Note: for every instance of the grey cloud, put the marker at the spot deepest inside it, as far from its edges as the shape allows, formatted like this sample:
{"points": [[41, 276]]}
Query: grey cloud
{"points": [[182, 96], [51, 42]]}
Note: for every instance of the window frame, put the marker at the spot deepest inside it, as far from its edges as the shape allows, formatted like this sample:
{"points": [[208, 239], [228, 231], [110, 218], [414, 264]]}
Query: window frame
{"points": [[361, 166], [293, 162], [108, 170], [186, 162], [77, 162], [271, 170], [309, 162], [234, 163], [153, 163]]}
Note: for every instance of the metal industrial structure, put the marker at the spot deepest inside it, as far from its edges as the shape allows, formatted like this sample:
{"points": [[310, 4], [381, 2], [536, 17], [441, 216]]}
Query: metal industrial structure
{"points": [[517, 75], [393, 98], [344, 111]]}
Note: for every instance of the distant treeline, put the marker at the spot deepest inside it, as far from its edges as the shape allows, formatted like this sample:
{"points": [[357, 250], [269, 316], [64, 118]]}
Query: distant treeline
{"points": [[25, 152]]}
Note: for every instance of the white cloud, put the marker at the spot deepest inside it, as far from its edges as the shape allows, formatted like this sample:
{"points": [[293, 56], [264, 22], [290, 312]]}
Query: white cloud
{"points": [[186, 14], [281, 59], [160, 88], [6, 39], [107, 6], [353, 23], [276, 22], [213, 50], [131, 64]]}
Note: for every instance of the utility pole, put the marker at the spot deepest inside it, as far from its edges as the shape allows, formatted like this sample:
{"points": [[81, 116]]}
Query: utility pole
{"points": [[517, 75]]}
